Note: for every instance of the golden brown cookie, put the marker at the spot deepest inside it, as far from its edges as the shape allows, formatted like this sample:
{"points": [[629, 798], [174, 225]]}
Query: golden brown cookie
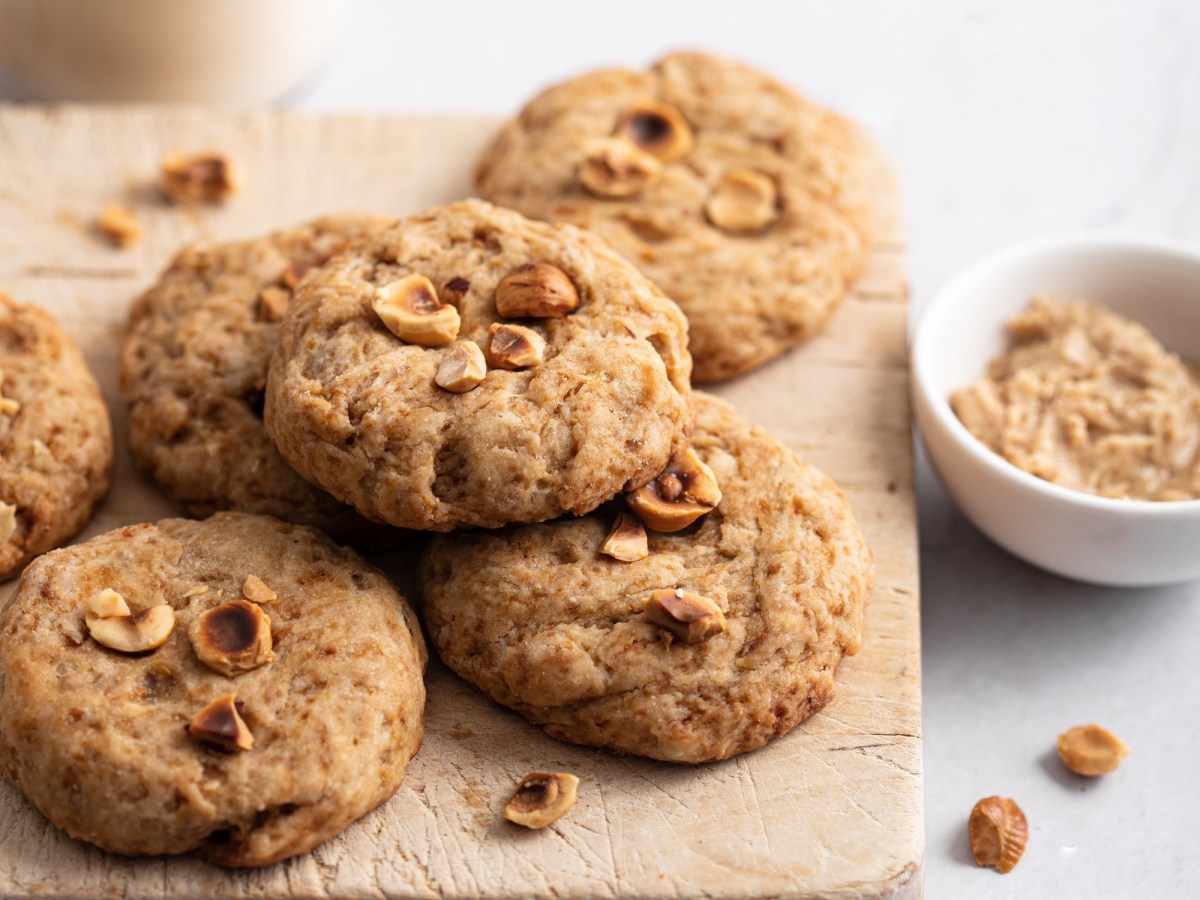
{"points": [[194, 368], [109, 745], [400, 388], [55, 438], [744, 202], [542, 621]]}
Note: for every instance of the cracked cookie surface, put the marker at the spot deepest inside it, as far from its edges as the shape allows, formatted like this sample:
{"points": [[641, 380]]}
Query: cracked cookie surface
{"points": [[544, 623], [358, 410], [56, 447], [96, 739], [783, 176], [194, 369]]}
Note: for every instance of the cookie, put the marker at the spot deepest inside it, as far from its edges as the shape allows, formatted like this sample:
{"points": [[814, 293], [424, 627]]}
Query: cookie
{"points": [[400, 388], [56, 450], [194, 368], [744, 202], [543, 622], [106, 744]]}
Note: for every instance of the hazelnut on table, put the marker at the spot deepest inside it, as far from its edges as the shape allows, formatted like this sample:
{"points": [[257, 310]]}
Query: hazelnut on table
{"points": [[998, 833], [542, 798], [119, 224], [198, 178], [1090, 750]]}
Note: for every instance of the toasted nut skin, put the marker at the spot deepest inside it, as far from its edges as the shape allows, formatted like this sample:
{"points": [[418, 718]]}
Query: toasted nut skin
{"points": [[134, 633], [690, 617], [657, 128], [254, 588], [232, 638], [220, 724], [743, 201], [613, 168], [998, 833], [1090, 750], [463, 369], [686, 490], [412, 312], [119, 225], [542, 798], [536, 290], [198, 178], [514, 347], [8, 520], [626, 539]]}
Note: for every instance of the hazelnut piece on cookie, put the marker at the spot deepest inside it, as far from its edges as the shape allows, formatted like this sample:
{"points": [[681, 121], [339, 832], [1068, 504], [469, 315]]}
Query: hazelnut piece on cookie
{"points": [[221, 725], [110, 623], [514, 347], [626, 540], [684, 492], [232, 638], [658, 129], [542, 798], [743, 201], [615, 168], [462, 370], [412, 312], [8, 520], [254, 588], [536, 290], [691, 618]]}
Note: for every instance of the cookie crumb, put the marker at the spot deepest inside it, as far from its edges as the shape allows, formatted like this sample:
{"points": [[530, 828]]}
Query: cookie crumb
{"points": [[120, 225], [189, 178]]}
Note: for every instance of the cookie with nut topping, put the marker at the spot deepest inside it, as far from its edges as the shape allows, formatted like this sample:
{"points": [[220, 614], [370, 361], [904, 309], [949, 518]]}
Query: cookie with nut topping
{"points": [[236, 686], [743, 201], [471, 367], [194, 369], [56, 450], [706, 642]]}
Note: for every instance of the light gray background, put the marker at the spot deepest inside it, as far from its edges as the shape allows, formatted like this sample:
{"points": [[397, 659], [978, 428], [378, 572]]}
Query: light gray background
{"points": [[1010, 119]]}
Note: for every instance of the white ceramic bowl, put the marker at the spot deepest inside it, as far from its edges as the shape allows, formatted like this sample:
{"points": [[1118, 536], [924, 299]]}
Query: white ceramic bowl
{"points": [[1154, 281]]}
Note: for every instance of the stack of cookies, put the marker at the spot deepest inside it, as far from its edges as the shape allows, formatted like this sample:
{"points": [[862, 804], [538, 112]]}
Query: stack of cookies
{"points": [[623, 561]]}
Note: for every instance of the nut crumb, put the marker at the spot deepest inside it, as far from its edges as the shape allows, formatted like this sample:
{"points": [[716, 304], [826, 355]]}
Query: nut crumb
{"points": [[198, 178], [120, 225], [9, 406], [998, 832], [254, 588], [8, 520], [1090, 750], [542, 798]]}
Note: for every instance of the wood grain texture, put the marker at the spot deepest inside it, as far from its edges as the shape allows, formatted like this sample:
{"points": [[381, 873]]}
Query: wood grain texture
{"points": [[832, 810]]}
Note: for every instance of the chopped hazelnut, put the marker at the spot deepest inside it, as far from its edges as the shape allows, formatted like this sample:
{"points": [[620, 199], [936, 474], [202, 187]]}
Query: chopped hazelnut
{"points": [[657, 128], [514, 347], [542, 798], [254, 588], [536, 290], [998, 832], [221, 725], [626, 540], [1090, 750], [743, 201], [686, 490], [690, 617], [107, 604], [8, 520], [198, 177], [129, 633], [463, 369], [232, 638], [273, 303], [119, 224], [9, 406], [615, 168], [412, 312]]}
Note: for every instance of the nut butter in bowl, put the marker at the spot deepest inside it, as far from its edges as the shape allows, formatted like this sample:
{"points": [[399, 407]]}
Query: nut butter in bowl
{"points": [[1068, 431]]}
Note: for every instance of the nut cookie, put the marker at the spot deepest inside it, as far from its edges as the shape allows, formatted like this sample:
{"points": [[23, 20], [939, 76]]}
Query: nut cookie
{"points": [[56, 449], [723, 636], [744, 202], [400, 387], [194, 369], [235, 686]]}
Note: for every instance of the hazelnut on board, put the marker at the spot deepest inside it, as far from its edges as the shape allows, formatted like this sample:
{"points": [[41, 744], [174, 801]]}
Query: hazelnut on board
{"points": [[232, 638], [198, 177], [657, 128], [514, 347], [110, 623], [1091, 750], [412, 312], [616, 168], [8, 520], [542, 798], [743, 201], [536, 290], [221, 725], [626, 539], [998, 833], [688, 616], [686, 490], [119, 224], [254, 588], [462, 369]]}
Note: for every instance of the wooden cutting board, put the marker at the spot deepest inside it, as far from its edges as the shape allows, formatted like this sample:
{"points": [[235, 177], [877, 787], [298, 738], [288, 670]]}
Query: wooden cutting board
{"points": [[832, 810]]}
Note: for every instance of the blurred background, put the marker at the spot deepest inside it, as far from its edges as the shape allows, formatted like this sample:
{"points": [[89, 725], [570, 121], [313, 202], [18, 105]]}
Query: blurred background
{"points": [[1009, 119]]}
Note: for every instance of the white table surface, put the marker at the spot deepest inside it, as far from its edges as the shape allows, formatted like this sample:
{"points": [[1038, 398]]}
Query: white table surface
{"points": [[1010, 119]]}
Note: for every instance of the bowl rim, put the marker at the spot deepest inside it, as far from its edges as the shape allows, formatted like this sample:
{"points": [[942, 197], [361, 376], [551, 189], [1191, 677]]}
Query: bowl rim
{"points": [[960, 285]]}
